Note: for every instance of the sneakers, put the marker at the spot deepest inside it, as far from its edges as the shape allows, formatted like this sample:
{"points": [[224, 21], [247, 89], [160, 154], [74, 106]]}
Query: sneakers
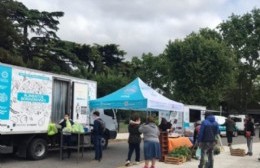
{"points": [[127, 163], [249, 153], [136, 163]]}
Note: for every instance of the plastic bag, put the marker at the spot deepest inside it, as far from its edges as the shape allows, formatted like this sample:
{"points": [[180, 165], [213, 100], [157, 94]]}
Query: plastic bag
{"points": [[52, 129], [77, 128], [198, 153]]}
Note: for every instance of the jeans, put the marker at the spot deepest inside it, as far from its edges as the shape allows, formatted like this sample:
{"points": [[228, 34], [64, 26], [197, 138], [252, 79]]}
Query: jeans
{"points": [[249, 142], [134, 147], [207, 160], [98, 147]]}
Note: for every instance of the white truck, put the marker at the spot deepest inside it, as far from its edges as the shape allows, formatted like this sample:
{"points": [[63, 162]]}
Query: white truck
{"points": [[185, 119], [192, 114], [31, 99], [170, 116]]}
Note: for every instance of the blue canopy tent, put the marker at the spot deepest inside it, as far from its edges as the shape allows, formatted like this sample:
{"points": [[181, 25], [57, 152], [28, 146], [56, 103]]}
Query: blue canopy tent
{"points": [[136, 96]]}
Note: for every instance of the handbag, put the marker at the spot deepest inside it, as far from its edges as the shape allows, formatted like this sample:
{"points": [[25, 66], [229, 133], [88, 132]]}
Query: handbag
{"points": [[248, 134]]}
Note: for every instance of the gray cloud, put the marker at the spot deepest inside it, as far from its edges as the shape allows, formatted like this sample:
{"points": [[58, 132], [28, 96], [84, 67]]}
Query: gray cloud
{"points": [[138, 26]]}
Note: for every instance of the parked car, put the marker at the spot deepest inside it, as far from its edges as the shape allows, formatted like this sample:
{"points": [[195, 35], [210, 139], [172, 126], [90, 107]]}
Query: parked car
{"points": [[222, 128]]}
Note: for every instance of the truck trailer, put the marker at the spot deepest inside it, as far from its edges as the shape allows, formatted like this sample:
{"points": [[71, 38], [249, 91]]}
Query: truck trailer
{"points": [[30, 100]]}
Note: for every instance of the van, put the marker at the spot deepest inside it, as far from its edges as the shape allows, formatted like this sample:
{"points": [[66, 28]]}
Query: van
{"points": [[222, 128], [240, 122], [192, 114]]}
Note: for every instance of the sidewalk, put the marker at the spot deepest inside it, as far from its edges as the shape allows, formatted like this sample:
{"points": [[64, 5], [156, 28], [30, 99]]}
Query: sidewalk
{"points": [[223, 160], [122, 136]]}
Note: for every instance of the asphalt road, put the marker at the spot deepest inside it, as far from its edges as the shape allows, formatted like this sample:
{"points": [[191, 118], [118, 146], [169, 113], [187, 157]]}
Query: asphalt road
{"points": [[114, 156]]}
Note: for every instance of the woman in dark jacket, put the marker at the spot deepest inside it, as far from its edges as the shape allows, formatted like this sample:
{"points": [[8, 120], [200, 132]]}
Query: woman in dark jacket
{"points": [[249, 134], [134, 140], [66, 122], [165, 125]]}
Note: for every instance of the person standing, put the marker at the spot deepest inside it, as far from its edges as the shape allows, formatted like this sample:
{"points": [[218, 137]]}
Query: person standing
{"points": [[97, 135], [165, 125], [249, 134], [196, 132], [134, 140], [259, 138], [209, 130], [151, 134], [66, 126], [230, 127]]}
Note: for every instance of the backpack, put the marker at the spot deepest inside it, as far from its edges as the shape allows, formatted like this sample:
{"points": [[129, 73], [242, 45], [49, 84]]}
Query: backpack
{"points": [[102, 125]]}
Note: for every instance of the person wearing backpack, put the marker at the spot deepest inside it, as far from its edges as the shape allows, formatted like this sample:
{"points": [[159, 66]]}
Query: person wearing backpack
{"points": [[97, 135]]}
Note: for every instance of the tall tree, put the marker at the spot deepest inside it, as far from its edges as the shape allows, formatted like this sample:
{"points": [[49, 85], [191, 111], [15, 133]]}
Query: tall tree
{"points": [[153, 70], [112, 55], [201, 68], [10, 38], [41, 26], [242, 34]]}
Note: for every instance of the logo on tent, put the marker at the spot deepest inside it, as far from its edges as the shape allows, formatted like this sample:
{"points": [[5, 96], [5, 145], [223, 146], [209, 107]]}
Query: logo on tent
{"points": [[126, 103], [130, 90]]}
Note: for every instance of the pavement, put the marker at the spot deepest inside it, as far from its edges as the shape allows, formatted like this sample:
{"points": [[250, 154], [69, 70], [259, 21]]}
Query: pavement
{"points": [[223, 160]]}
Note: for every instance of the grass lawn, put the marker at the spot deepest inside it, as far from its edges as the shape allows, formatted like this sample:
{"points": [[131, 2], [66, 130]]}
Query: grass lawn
{"points": [[123, 128]]}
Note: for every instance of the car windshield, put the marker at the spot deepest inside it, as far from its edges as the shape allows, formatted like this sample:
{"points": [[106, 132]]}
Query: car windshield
{"points": [[236, 119]]}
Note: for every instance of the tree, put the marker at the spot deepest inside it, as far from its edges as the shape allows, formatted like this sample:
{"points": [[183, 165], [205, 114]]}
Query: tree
{"points": [[112, 55], [242, 34], [201, 68], [153, 70], [109, 83], [17, 23], [42, 27], [9, 36]]}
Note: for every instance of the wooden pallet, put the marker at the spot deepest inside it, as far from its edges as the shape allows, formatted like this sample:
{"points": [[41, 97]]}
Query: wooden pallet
{"points": [[164, 145], [237, 152], [174, 160]]}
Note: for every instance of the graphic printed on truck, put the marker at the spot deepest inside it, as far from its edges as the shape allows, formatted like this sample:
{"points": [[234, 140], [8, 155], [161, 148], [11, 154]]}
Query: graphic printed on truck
{"points": [[28, 100]]}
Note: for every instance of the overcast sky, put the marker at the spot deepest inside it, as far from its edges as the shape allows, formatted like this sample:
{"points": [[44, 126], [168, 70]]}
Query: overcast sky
{"points": [[138, 26]]}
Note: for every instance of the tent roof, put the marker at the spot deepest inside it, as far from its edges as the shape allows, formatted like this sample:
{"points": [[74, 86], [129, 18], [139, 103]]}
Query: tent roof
{"points": [[138, 96]]}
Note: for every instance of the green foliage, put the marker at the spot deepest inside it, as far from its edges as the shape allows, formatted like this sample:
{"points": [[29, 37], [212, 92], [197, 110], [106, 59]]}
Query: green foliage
{"points": [[123, 127], [180, 152], [242, 33], [201, 68], [109, 83], [153, 70], [10, 58]]}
